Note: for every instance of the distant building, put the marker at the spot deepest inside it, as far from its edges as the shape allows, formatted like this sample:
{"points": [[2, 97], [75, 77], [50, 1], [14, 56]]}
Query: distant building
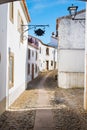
{"points": [[47, 57], [32, 70], [71, 51], [13, 51], [53, 41]]}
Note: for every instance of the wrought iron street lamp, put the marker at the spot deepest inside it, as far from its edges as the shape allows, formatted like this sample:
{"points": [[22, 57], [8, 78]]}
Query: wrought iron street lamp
{"points": [[73, 12]]}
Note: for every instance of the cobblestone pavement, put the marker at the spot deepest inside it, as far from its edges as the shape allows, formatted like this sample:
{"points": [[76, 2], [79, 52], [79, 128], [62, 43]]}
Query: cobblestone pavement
{"points": [[66, 106], [17, 120]]}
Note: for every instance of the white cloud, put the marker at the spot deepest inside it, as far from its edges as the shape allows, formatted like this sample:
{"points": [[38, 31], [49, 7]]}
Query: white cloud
{"points": [[46, 4], [43, 4]]}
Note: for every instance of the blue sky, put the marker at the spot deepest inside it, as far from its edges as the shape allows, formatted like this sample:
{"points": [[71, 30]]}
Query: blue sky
{"points": [[47, 11]]}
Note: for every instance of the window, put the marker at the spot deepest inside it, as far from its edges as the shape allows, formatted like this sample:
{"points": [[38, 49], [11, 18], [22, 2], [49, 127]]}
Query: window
{"points": [[51, 63], [36, 68], [28, 69], [40, 49], [21, 36], [47, 51], [55, 65], [47, 65], [36, 55], [11, 70], [11, 12], [29, 52], [20, 27], [32, 53]]}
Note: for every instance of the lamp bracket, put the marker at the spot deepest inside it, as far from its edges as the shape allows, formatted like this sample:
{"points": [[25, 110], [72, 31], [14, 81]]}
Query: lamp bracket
{"points": [[33, 26]]}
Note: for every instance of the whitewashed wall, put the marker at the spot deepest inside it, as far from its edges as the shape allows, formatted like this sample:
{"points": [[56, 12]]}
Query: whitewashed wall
{"points": [[20, 53], [51, 57], [43, 57], [31, 61], [3, 56], [71, 51], [71, 60], [10, 40], [85, 76], [71, 34], [71, 68]]}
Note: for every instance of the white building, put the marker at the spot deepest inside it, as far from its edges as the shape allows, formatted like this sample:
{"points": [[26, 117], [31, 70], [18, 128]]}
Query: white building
{"points": [[47, 57], [32, 71], [13, 52], [71, 50], [85, 76]]}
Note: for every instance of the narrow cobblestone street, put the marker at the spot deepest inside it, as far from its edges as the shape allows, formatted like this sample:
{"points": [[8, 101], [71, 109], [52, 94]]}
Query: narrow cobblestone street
{"points": [[44, 106]]}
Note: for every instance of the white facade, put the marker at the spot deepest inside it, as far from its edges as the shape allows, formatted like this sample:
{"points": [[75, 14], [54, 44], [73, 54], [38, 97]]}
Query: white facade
{"points": [[47, 61], [85, 76], [32, 71], [71, 50], [3, 57], [12, 47], [47, 56]]}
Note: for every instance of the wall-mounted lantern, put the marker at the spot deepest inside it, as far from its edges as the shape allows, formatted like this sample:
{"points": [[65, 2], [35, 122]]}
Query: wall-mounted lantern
{"points": [[73, 12]]}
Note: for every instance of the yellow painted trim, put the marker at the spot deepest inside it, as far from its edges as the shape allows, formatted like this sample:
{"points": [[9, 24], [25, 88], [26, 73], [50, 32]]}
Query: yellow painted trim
{"points": [[12, 84]]}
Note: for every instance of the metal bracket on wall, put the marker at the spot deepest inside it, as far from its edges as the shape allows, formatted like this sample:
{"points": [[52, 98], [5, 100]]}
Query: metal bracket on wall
{"points": [[39, 30]]}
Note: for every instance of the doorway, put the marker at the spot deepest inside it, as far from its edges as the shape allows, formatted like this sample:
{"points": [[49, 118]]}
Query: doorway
{"points": [[47, 65], [32, 71]]}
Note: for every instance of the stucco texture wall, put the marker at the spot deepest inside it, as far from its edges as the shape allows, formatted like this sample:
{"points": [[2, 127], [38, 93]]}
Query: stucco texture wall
{"points": [[71, 52], [19, 50], [3, 56]]}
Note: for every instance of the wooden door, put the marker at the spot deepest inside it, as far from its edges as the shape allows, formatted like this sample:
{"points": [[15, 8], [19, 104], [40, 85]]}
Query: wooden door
{"points": [[47, 65], [32, 71]]}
